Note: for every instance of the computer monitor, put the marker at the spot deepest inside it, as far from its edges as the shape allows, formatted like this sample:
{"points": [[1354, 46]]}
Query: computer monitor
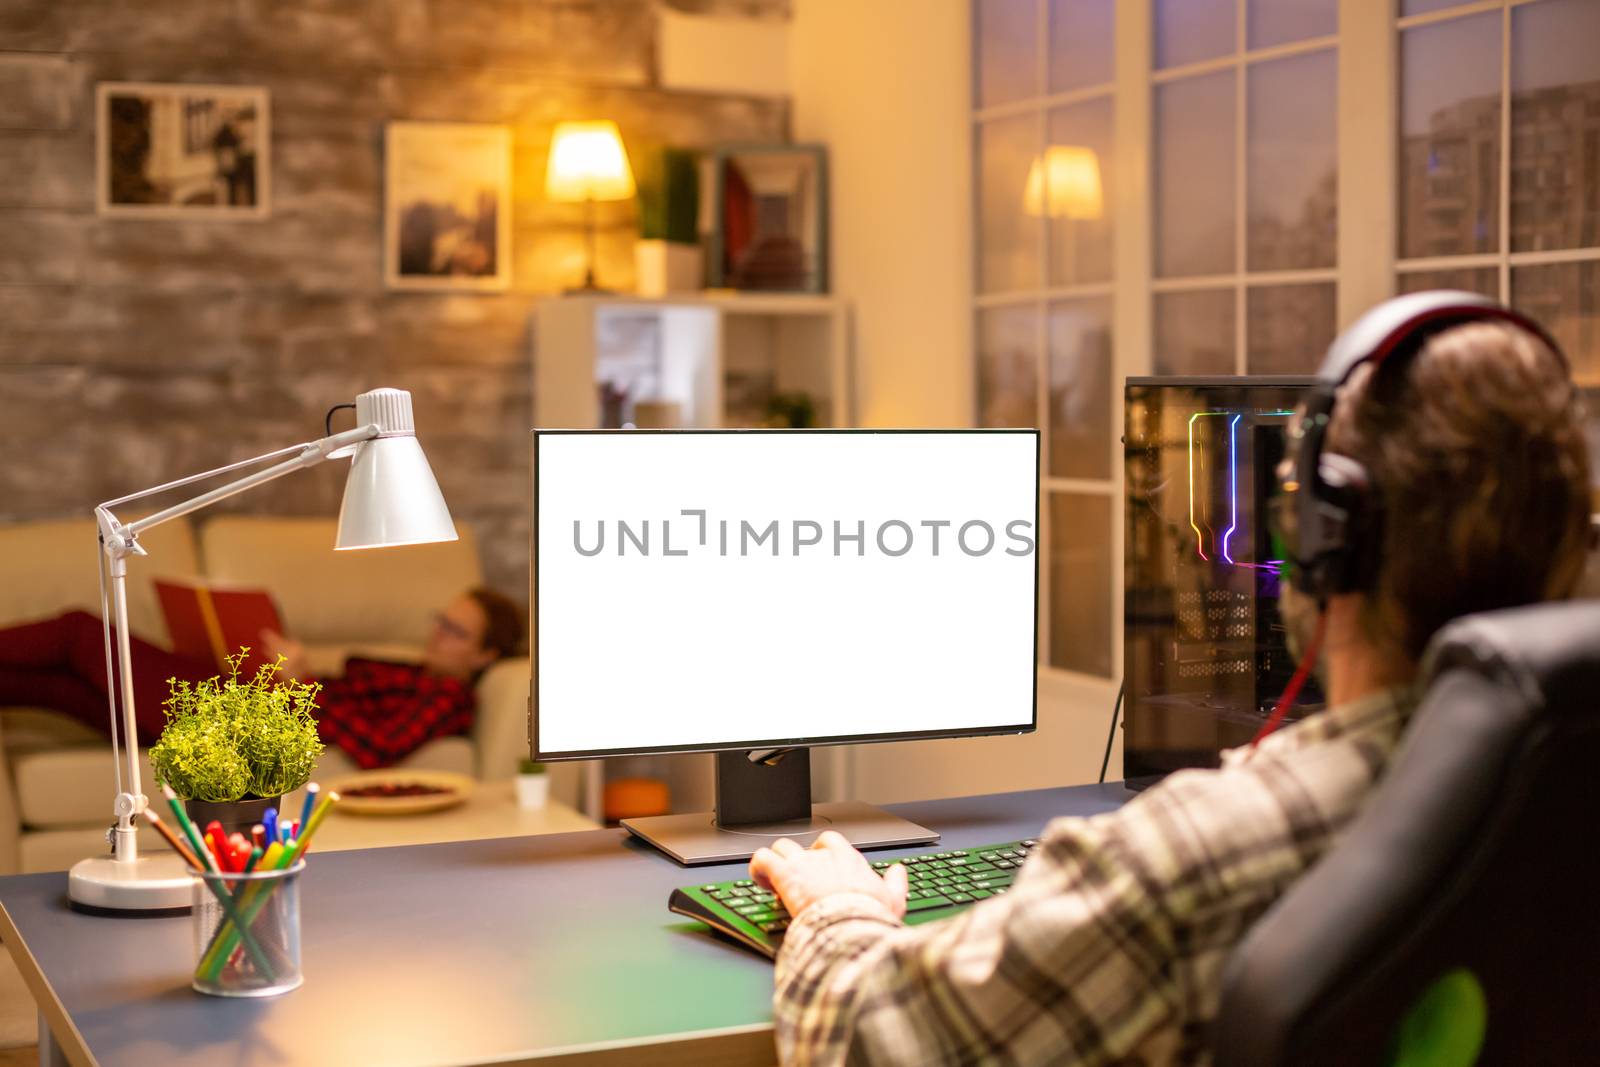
{"points": [[753, 593], [1205, 658]]}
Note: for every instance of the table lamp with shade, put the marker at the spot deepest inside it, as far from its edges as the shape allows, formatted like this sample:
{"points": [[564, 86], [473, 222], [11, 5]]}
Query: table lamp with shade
{"points": [[390, 498], [588, 164], [1064, 184]]}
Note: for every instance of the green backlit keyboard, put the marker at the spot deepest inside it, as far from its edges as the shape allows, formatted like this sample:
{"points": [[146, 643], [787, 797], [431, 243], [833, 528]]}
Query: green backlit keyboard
{"points": [[941, 884]]}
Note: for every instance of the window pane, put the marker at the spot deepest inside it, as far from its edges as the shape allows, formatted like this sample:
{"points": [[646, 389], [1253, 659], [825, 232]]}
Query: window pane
{"points": [[1077, 186], [1450, 137], [1188, 31], [1194, 132], [1281, 21], [1008, 382], [1294, 161], [1080, 389], [1289, 327], [1008, 36], [1417, 7], [1194, 332], [1008, 237], [1555, 125], [1565, 299], [1080, 582], [1484, 280], [1080, 43]]}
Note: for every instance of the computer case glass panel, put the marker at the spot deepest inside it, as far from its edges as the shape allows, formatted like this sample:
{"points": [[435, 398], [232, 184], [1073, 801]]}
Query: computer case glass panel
{"points": [[1204, 648]]}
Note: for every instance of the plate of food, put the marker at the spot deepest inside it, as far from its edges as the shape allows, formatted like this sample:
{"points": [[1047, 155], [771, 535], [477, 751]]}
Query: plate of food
{"points": [[397, 791]]}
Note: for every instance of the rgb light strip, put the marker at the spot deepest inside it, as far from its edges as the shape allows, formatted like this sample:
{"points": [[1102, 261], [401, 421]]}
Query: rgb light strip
{"points": [[1233, 484]]}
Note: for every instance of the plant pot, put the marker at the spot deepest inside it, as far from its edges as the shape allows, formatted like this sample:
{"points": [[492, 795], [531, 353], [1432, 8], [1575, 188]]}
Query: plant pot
{"points": [[533, 790], [663, 267], [238, 815]]}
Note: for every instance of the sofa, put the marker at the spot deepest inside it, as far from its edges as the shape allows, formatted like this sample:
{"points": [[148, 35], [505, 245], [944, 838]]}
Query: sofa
{"points": [[56, 776]]}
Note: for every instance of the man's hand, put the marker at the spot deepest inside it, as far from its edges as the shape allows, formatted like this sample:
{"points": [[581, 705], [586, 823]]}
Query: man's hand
{"points": [[274, 644], [803, 876]]}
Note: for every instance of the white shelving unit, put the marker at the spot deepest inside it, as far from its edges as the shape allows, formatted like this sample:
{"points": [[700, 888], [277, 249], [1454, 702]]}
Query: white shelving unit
{"points": [[715, 356], [696, 361]]}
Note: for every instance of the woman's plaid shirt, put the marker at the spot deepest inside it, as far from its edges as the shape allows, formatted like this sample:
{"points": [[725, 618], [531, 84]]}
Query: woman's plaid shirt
{"points": [[1109, 947]]}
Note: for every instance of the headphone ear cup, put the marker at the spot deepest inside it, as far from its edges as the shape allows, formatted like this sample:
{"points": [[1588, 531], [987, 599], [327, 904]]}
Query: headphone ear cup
{"points": [[1351, 560]]}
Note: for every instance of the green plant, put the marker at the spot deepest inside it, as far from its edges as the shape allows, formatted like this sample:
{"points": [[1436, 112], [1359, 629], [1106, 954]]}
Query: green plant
{"points": [[225, 740], [669, 196], [794, 411], [529, 766]]}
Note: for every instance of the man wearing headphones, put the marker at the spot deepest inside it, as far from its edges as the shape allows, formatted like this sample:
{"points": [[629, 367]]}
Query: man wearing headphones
{"points": [[1438, 468]]}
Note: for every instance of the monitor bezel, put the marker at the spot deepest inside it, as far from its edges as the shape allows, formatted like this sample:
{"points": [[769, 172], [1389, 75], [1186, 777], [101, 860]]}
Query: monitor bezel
{"points": [[781, 742]]}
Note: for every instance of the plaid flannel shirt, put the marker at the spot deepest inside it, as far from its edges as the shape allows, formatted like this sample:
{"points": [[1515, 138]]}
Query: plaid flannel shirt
{"points": [[379, 713], [1109, 947]]}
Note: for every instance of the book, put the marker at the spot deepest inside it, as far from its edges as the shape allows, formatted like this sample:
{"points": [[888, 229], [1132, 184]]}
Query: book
{"points": [[212, 624]]}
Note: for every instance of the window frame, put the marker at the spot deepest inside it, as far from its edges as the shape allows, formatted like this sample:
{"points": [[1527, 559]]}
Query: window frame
{"points": [[1367, 264]]}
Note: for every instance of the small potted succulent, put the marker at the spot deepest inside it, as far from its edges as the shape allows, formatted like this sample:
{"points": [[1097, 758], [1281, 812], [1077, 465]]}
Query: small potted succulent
{"points": [[533, 785], [233, 747], [668, 258]]}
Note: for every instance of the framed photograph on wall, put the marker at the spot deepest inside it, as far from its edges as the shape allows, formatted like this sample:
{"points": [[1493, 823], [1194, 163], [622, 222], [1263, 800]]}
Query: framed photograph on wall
{"points": [[770, 218], [447, 206], [182, 150]]}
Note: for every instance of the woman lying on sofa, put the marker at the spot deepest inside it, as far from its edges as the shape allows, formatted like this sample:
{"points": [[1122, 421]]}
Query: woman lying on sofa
{"points": [[378, 712]]}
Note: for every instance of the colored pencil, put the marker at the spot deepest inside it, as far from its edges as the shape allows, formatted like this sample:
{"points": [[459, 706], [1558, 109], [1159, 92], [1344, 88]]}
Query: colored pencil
{"points": [[172, 839], [223, 897], [255, 858], [269, 820], [258, 836], [185, 824], [307, 806]]}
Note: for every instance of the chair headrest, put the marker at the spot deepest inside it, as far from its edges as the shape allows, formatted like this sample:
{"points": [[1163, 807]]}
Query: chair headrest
{"points": [[1547, 654]]}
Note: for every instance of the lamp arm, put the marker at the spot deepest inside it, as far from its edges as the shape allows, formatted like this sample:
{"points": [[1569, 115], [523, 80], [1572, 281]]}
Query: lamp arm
{"points": [[309, 455], [118, 542]]}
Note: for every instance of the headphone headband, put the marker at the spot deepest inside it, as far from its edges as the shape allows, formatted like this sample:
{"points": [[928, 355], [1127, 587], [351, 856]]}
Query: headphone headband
{"points": [[1403, 325]]}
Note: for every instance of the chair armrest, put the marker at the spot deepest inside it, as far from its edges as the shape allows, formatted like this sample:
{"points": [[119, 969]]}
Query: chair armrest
{"points": [[500, 733]]}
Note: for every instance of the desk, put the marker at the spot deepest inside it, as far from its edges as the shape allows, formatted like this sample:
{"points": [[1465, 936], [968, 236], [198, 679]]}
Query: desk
{"points": [[555, 949]]}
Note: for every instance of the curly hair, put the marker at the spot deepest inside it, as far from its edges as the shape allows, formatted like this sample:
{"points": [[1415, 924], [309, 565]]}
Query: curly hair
{"points": [[1477, 454]]}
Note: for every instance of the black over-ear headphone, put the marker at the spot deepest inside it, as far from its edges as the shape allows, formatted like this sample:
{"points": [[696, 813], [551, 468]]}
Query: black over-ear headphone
{"points": [[1326, 517]]}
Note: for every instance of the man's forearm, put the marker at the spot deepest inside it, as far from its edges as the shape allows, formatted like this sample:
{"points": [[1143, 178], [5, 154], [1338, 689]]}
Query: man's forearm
{"points": [[816, 987]]}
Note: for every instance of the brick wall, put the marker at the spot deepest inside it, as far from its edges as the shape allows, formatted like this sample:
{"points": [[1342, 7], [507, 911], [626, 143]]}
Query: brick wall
{"points": [[134, 351]]}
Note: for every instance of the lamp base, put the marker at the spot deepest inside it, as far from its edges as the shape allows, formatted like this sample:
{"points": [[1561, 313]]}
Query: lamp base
{"points": [[149, 884]]}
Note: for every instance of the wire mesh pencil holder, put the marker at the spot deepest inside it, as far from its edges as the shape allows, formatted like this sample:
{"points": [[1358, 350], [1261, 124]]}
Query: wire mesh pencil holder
{"points": [[247, 932]]}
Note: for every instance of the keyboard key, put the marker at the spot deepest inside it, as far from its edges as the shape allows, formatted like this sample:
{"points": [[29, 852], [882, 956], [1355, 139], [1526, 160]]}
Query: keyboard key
{"points": [[981, 894], [1005, 865], [979, 868], [956, 861], [712, 889], [961, 898], [1029, 844], [933, 900], [745, 882], [879, 865], [765, 915], [776, 926]]}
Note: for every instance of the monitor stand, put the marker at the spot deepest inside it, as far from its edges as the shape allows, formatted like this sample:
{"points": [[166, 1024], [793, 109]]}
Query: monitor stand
{"points": [[764, 795]]}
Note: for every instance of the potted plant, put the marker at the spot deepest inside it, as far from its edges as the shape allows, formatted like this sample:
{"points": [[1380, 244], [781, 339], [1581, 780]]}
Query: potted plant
{"points": [[668, 258], [533, 785], [232, 748]]}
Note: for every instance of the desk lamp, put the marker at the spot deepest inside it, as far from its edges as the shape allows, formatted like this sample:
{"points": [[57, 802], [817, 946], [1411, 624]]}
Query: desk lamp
{"points": [[587, 163], [390, 498]]}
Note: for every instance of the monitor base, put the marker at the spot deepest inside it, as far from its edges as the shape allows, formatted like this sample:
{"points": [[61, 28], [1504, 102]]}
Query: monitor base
{"points": [[696, 838]]}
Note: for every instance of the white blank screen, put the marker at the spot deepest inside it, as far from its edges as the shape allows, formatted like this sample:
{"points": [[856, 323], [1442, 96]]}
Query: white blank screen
{"points": [[673, 632]]}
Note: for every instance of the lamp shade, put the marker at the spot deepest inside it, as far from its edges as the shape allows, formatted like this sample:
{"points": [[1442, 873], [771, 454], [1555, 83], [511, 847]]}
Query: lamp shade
{"points": [[391, 496], [587, 162], [1064, 184]]}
